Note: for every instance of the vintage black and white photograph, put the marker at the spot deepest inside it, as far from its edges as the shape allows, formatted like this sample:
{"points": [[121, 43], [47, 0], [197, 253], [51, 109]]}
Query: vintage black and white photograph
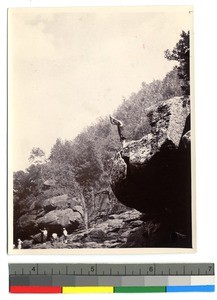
{"points": [[100, 104]]}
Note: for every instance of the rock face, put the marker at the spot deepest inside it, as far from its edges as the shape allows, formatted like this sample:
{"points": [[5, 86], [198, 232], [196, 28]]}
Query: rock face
{"points": [[153, 174], [57, 219], [26, 226], [54, 214], [59, 202], [112, 233]]}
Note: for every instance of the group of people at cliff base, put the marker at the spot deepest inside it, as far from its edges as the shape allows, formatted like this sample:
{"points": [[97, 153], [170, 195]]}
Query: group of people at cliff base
{"points": [[54, 236], [44, 237]]}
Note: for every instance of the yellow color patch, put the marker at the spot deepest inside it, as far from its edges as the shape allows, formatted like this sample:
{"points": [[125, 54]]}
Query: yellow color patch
{"points": [[87, 289]]}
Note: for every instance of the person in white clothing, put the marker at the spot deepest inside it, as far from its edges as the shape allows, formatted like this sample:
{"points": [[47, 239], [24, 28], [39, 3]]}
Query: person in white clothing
{"points": [[19, 244], [65, 234], [44, 234]]}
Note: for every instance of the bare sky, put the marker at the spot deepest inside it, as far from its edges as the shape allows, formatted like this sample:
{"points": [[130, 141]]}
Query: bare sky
{"points": [[69, 67]]}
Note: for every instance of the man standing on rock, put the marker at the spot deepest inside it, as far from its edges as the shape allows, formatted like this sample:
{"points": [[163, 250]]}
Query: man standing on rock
{"points": [[44, 234], [19, 244], [65, 234], [119, 124]]}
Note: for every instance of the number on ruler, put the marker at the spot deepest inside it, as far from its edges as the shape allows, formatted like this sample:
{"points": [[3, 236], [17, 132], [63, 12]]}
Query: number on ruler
{"points": [[210, 268], [92, 269], [151, 269], [33, 269]]}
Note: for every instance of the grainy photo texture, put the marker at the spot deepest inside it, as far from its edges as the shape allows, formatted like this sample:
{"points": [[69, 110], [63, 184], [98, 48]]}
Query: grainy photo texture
{"points": [[100, 130]]}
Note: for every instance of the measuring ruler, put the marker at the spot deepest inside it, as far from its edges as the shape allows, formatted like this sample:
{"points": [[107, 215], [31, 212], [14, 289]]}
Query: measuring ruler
{"points": [[111, 278]]}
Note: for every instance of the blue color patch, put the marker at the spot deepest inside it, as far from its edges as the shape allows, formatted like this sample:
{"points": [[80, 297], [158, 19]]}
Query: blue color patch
{"points": [[190, 288]]}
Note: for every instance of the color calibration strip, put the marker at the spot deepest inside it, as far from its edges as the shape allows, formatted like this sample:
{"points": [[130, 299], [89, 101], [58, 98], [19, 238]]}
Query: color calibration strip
{"points": [[109, 289], [111, 278]]}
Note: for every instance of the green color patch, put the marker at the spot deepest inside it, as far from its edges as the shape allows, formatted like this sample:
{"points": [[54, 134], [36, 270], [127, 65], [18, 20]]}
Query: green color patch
{"points": [[140, 289]]}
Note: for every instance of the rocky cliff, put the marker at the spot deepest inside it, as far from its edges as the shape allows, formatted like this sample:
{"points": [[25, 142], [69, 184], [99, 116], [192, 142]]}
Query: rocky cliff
{"points": [[150, 176], [53, 213], [153, 175]]}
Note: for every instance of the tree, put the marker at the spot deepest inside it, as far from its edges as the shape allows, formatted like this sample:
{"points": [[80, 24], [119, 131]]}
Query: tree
{"points": [[181, 54], [171, 86], [87, 161], [20, 185], [37, 156], [35, 179]]}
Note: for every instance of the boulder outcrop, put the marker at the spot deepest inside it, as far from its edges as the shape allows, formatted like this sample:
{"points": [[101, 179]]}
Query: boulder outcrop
{"points": [[112, 233], [53, 213], [58, 202], [57, 219], [153, 174]]}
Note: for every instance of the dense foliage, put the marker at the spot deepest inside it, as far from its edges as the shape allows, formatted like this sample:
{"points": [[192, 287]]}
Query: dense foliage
{"points": [[81, 167], [181, 54]]}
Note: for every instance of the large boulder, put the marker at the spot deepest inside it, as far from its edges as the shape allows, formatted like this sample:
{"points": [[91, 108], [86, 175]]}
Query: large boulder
{"points": [[58, 202], [26, 225], [153, 174], [55, 220]]}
